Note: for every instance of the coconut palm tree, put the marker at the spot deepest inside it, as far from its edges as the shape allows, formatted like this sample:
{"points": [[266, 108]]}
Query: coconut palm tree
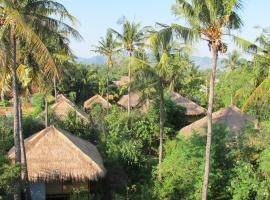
{"points": [[159, 74], [131, 38], [20, 25], [209, 20], [232, 62], [108, 47]]}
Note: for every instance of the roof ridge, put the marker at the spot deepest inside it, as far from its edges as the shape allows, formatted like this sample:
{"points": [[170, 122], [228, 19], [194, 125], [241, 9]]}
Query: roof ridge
{"points": [[66, 134]]}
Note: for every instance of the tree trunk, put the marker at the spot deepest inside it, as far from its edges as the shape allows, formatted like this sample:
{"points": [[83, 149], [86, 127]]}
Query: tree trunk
{"points": [[46, 112], [209, 124], [129, 77], [2, 95], [55, 89], [24, 171], [108, 88], [161, 130], [17, 195]]}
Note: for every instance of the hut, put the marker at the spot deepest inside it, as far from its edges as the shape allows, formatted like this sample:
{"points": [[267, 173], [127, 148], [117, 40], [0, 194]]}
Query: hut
{"points": [[64, 106], [58, 163], [134, 100], [97, 99], [193, 110], [231, 117], [124, 80]]}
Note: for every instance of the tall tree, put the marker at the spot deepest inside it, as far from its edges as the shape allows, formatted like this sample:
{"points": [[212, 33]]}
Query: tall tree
{"points": [[209, 20], [232, 62], [131, 38], [159, 73], [108, 47], [20, 25]]}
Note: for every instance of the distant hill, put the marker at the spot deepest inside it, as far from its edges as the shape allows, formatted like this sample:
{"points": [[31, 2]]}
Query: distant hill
{"points": [[93, 60], [202, 62]]}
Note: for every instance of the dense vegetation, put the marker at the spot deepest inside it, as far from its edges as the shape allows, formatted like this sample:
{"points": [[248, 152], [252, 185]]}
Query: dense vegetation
{"points": [[145, 155]]}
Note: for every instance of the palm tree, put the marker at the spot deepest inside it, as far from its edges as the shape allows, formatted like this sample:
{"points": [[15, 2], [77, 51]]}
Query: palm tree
{"points": [[209, 20], [108, 46], [131, 38], [20, 25], [232, 62], [159, 74]]}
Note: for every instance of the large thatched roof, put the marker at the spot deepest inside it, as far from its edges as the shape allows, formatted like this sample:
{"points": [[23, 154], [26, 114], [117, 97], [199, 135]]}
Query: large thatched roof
{"points": [[96, 99], [54, 154], [63, 106], [231, 116], [134, 100], [191, 107], [124, 80]]}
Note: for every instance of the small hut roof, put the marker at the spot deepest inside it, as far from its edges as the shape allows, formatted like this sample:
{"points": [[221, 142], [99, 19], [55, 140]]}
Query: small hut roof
{"points": [[191, 107], [134, 100], [124, 80], [96, 99], [63, 106], [231, 116], [53, 154]]}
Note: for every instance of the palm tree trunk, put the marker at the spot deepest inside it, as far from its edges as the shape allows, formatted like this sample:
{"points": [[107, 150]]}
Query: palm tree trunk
{"points": [[161, 130], [46, 112], [108, 89], [17, 195], [129, 77], [2, 95], [55, 89], [24, 171], [209, 124]]}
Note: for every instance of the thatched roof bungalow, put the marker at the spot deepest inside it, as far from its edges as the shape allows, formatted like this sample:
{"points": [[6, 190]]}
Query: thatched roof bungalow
{"points": [[134, 100], [64, 106], [124, 80], [231, 116], [56, 158], [96, 99], [192, 109]]}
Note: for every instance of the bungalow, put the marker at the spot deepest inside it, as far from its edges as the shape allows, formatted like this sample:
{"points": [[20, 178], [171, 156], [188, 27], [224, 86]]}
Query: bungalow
{"points": [[97, 99], [59, 163]]}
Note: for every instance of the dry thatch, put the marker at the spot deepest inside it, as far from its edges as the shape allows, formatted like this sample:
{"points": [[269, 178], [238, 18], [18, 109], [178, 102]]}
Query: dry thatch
{"points": [[134, 100], [192, 108], [96, 99], [53, 154], [64, 106], [231, 116], [124, 80]]}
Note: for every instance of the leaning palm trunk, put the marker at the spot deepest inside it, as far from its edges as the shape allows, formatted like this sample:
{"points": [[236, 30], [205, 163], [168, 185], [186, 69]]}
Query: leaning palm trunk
{"points": [[209, 124], [24, 171], [2, 95], [129, 84], [54, 88], [46, 112], [161, 130], [17, 194]]}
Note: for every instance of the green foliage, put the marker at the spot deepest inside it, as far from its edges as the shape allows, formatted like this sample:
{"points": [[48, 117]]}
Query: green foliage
{"points": [[38, 103], [188, 154], [9, 174], [129, 138]]}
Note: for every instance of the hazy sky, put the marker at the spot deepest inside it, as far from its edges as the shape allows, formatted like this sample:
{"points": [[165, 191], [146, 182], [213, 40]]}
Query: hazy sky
{"points": [[95, 16]]}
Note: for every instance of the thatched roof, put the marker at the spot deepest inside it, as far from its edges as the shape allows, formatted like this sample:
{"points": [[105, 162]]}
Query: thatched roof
{"points": [[63, 106], [231, 116], [53, 154], [191, 107], [124, 80], [96, 99], [134, 100]]}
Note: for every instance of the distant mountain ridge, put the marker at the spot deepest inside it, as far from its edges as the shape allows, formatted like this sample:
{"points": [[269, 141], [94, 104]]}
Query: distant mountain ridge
{"points": [[92, 60], [202, 62]]}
